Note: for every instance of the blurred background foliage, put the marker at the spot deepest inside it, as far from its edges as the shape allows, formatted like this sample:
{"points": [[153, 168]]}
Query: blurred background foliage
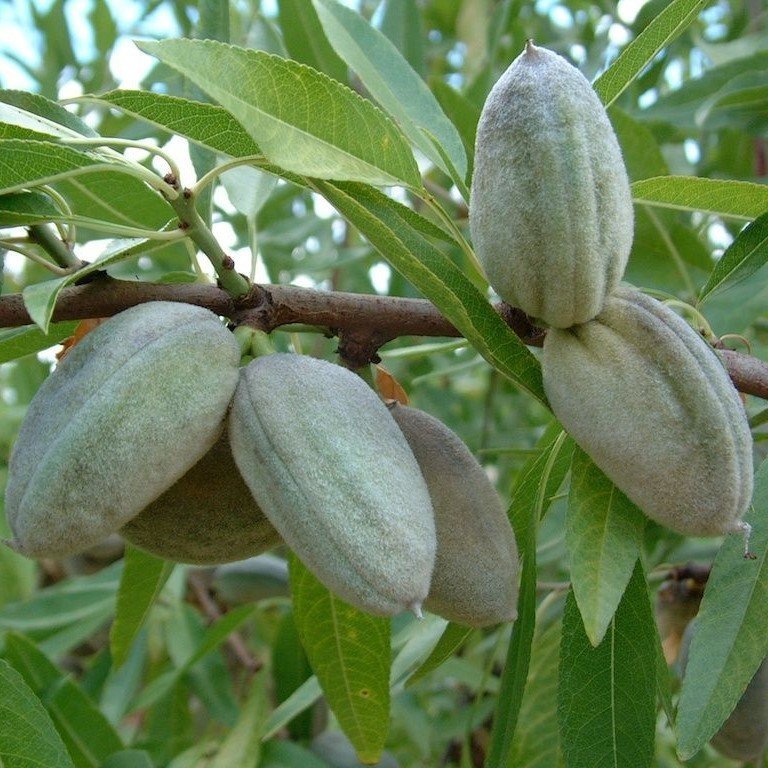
{"points": [[699, 109]]}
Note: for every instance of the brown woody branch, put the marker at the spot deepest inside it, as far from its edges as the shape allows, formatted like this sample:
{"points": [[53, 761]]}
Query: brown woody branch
{"points": [[362, 322]]}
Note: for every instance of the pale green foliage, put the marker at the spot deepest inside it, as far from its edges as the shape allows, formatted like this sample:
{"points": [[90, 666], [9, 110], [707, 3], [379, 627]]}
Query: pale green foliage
{"points": [[644, 395], [551, 209], [128, 411], [476, 568], [331, 470], [744, 735]]}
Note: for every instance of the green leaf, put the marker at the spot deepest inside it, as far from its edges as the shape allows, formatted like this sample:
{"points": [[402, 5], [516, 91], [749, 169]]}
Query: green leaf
{"points": [[29, 162], [242, 747], [206, 124], [401, 23], [22, 208], [18, 342], [414, 644], [664, 28], [740, 103], [71, 602], [730, 642], [682, 106], [302, 120], [143, 579], [393, 83], [607, 695], [538, 480], [604, 536], [27, 735], [746, 254], [349, 651], [286, 754], [299, 701], [390, 227], [740, 199], [129, 758], [536, 743], [34, 112], [40, 298], [305, 41], [88, 735], [451, 640]]}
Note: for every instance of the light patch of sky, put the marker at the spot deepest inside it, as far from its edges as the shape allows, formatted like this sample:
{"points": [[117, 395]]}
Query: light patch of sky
{"points": [[719, 235], [561, 17], [627, 10], [618, 35], [380, 276], [692, 151]]}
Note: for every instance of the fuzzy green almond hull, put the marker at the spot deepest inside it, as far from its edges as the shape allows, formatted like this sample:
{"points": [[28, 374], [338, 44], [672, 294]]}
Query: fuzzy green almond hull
{"points": [[551, 209], [205, 518], [651, 403], [127, 412], [331, 470], [476, 566]]}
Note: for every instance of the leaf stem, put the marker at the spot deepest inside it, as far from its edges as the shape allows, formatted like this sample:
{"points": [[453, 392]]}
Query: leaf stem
{"points": [[36, 257], [109, 142], [214, 173], [197, 230], [43, 235]]}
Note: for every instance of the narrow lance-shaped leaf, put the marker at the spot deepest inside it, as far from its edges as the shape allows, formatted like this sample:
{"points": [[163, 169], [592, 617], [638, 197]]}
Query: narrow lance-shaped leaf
{"points": [[40, 298], [143, 578], [389, 227], [537, 741], [24, 208], [670, 23], [27, 735], [607, 695], [541, 476], [739, 199], [71, 709], [302, 120], [36, 113], [349, 651], [746, 254], [604, 534], [394, 84], [18, 342], [305, 41], [28, 162], [729, 643]]}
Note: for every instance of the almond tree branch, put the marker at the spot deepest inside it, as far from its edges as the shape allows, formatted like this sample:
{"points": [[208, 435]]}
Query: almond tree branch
{"points": [[363, 322]]}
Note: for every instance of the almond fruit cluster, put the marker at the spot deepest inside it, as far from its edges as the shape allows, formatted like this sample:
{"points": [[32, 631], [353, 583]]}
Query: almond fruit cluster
{"points": [[150, 427], [640, 391]]}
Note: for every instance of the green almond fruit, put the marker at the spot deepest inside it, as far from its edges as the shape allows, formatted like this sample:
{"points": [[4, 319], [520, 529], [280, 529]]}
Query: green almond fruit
{"points": [[331, 470], [652, 404], [207, 517], [476, 565], [551, 210], [126, 413]]}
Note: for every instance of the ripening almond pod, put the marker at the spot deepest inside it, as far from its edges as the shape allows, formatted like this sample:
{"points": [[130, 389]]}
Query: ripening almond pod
{"points": [[335, 476], [206, 517], [647, 398], [476, 566], [127, 412], [551, 209]]}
